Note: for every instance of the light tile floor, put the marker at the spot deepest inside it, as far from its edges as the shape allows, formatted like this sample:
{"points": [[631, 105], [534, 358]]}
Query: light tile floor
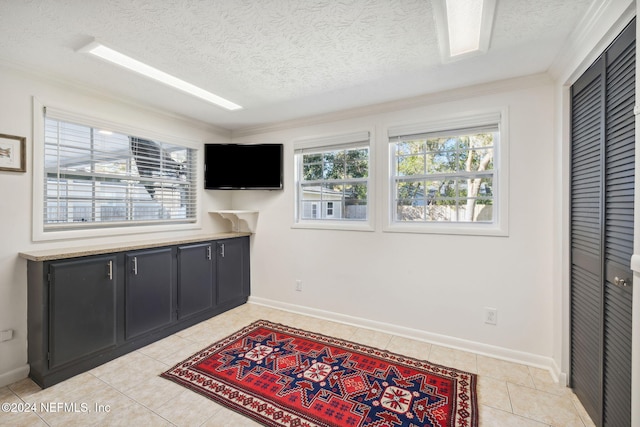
{"points": [[128, 391]]}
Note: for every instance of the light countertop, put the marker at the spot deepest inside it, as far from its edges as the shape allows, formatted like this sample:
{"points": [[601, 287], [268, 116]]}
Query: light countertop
{"points": [[74, 252]]}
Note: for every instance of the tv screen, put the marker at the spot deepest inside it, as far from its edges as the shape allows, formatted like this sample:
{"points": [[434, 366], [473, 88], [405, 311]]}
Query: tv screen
{"points": [[243, 167]]}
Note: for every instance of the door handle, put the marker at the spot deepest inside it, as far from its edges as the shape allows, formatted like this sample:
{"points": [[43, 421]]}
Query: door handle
{"points": [[110, 271], [620, 282], [135, 265], [209, 253], [222, 250]]}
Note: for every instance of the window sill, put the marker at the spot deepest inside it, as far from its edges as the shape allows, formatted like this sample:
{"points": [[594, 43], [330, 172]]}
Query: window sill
{"points": [[448, 228], [334, 225], [40, 235]]}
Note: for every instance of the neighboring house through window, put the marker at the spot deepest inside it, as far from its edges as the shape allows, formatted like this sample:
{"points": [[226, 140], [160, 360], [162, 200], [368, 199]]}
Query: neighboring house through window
{"points": [[97, 178], [333, 180], [330, 209]]}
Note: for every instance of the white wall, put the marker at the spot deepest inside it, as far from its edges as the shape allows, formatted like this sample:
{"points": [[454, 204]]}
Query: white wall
{"points": [[17, 89], [428, 286]]}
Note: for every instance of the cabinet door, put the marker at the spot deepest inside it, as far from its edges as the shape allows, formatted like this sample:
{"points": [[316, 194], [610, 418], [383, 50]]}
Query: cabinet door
{"points": [[195, 279], [231, 270], [82, 308], [149, 288]]}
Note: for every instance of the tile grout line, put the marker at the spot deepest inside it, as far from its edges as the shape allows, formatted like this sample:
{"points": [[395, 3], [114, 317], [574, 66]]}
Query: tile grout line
{"points": [[506, 383], [37, 413], [132, 399]]}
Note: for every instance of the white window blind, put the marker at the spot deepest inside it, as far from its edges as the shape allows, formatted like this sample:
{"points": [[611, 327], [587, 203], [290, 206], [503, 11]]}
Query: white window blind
{"points": [[445, 127], [320, 144], [94, 177]]}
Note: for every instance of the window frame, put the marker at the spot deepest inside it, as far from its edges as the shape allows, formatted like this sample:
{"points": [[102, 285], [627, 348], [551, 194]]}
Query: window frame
{"points": [[500, 224], [39, 231], [327, 144]]}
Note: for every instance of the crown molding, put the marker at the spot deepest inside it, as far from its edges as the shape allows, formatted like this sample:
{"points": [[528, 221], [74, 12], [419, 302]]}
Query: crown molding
{"points": [[499, 86], [602, 23]]}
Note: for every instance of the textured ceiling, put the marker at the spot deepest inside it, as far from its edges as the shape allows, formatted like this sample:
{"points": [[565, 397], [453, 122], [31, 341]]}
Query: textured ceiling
{"points": [[279, 59]]}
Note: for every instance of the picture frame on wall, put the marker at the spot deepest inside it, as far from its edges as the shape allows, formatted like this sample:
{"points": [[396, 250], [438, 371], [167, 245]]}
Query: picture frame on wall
{"points": [[13, 156]]}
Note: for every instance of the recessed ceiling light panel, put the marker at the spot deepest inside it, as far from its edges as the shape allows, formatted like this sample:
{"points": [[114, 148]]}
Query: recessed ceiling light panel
{"points": [[464, 26], [113, 56], [464, 19]]}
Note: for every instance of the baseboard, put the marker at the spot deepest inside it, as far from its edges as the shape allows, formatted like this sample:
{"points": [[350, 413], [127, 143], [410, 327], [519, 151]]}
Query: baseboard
{"points": [[501, 353], [14, 375], [559, 376]]}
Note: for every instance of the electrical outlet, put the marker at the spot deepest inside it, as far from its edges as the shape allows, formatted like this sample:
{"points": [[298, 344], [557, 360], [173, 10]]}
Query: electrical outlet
{"points": [[299, 285], [6, 335], [490, 316]]}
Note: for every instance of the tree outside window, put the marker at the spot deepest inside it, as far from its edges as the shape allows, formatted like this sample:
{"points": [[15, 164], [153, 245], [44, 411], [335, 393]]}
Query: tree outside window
{"points": [[336, 179], [445, 177]]}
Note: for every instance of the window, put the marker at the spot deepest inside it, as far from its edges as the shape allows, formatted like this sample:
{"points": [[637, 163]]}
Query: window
{"points": [[96, 178], [449, 177], [333, 180]]}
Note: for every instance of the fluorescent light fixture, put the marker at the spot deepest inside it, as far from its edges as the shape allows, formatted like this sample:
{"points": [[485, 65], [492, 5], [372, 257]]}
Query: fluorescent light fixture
{"points": [[464, 19], [464, 26], [115, 57]]}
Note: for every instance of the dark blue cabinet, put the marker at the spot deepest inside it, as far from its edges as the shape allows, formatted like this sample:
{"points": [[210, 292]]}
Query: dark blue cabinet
{"points": [[85, 311], [82, 315], [149, 289], [232, 269], [196, 292]]}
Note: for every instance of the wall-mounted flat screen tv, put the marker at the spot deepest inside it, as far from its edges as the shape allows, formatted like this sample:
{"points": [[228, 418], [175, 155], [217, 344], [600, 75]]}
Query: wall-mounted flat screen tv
{"points": [[243, 166]]}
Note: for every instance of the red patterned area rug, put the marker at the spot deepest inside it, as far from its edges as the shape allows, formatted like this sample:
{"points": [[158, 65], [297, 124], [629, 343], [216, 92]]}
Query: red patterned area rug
{"points": [[282, 376]]}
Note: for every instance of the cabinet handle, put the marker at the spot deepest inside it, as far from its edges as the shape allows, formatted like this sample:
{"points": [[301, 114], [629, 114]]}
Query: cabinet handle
{"points": [[209, 253], [135, 265], [222, 250], [110, 273]]}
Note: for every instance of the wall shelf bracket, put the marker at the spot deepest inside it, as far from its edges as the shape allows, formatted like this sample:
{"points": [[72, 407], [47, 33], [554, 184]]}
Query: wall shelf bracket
{"points": [[241, 220]]}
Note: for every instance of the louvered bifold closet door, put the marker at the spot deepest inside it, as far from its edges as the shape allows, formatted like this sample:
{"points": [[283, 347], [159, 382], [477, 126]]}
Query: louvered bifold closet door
{"points": [[602, 199], [619, 197], [586, 238]]}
